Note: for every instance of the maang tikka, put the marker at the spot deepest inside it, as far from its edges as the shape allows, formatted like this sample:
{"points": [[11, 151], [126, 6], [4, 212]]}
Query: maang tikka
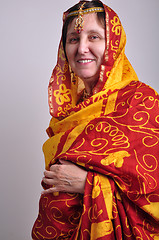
{"points": [[79, 21]]}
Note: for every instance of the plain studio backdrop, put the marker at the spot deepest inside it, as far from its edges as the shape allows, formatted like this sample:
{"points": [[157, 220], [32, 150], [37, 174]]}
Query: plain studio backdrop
{"points": [[29, 35]]}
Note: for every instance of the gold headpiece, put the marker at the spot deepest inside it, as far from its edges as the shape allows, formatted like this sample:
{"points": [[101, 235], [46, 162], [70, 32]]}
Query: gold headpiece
{"points": [[80, 13], [79, 20]]}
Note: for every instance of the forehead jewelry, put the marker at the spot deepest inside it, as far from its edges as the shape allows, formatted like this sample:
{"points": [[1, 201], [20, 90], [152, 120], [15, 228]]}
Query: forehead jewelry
{"points": [[79, 21]]}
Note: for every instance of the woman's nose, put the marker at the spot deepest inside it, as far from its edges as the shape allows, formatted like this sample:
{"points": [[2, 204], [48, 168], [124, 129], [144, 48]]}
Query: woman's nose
{"points": [[83, 46]]}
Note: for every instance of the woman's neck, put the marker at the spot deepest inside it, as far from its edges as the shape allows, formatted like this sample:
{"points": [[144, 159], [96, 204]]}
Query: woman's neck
{"points": [[89, 85]]}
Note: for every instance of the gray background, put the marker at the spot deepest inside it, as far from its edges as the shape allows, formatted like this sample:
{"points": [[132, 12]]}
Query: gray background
{"points": [[29, 35]]}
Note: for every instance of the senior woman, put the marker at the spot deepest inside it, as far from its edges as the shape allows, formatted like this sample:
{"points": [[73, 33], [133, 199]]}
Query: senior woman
{"points": [[101, 179]]}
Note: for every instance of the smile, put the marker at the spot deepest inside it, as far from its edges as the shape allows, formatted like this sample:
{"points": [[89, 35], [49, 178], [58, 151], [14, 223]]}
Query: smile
{"points": [[85, 61]]}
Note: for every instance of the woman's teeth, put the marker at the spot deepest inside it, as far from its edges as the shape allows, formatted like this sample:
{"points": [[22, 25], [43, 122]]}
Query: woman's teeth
{"points": [[85, 61]]}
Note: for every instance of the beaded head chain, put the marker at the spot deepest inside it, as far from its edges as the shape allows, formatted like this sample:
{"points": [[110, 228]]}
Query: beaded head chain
{"points": [[79, 21]]}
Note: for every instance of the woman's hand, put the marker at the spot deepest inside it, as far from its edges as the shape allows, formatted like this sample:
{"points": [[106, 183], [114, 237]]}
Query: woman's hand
{"points": [[65, 177]]}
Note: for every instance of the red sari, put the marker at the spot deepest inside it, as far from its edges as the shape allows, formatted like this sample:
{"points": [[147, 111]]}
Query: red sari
{"points": [[114, 135]]}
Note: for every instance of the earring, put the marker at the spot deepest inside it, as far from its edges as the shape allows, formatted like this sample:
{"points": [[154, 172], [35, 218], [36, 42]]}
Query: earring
{"points": [[73, 76]]}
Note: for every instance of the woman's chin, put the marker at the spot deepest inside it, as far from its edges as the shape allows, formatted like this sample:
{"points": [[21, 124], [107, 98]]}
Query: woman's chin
{"points": [[87, 77]]}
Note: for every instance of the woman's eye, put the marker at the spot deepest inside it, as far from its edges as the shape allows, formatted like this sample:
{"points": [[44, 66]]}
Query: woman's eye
{"points": [[94, 37], [72, 40]]}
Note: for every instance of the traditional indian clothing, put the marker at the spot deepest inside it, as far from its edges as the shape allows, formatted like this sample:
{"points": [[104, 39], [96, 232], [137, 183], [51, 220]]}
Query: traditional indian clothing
{"points": [[114, 135]]}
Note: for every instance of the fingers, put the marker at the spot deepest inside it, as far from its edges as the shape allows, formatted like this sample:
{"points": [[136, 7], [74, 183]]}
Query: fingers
{"points": [[49, 190], [65, 177], [57, 188], [65, 162], [56, 180], [52, 174], [48, 178], [49, 174], [48, 181]]}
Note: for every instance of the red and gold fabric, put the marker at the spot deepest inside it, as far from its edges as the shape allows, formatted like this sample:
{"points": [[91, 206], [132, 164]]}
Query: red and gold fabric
{"points": [[115, 136]]}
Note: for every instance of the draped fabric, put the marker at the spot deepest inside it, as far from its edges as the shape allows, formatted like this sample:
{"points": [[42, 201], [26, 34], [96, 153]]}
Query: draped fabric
{"points": [[114, 135]]}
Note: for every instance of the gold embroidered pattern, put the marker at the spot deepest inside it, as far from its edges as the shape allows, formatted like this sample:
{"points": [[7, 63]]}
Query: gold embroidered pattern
{"points": [[114, 48], [62, 95], [116, 25], [60, 72], [107, 37]]}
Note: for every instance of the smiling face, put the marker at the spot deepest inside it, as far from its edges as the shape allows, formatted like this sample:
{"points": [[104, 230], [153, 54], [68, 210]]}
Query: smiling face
{"points": [[85, 50]]}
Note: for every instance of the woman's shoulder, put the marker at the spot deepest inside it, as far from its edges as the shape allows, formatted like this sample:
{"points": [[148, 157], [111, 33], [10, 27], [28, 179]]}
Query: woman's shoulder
{"points": [[146, 89], [140, 88], [137, 94]]}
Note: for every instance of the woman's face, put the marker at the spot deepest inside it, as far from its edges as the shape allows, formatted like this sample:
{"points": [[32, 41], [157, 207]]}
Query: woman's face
{"points": [[85, 50]]}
